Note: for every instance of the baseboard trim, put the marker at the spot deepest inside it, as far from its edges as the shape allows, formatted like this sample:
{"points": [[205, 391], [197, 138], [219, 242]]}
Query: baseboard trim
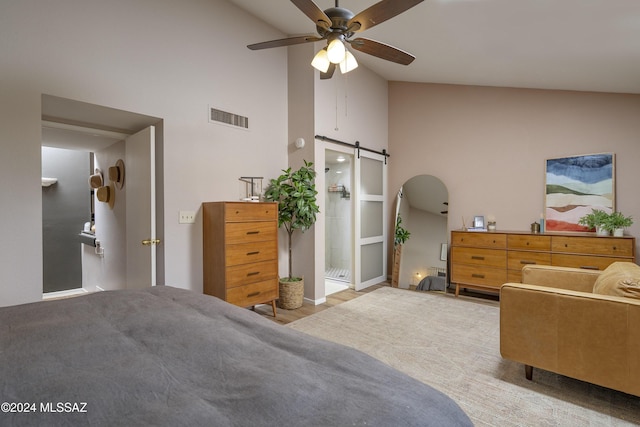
{"points": [[64, 294], [316, 301]]}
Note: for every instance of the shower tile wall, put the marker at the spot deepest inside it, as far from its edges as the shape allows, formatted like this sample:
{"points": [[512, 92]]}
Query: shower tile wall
{"points": [[338, 226]]}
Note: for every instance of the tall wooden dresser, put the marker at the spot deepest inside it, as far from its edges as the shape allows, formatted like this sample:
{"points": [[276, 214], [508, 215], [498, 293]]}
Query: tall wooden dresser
{"points": [[486, 260], [240, 249]]}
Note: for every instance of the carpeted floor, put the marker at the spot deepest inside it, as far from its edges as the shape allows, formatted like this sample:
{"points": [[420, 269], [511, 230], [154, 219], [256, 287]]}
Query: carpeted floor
{"points": [[452, 344]]}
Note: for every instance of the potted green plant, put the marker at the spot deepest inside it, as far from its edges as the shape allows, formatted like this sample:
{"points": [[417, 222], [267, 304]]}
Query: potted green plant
{"points": [[616, 222], [595, 221], [295, 192]]}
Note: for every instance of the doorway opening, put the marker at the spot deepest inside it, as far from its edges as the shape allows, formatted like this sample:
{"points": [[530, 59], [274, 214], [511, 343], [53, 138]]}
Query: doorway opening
{"points": [[338, 221], [78, 137]]}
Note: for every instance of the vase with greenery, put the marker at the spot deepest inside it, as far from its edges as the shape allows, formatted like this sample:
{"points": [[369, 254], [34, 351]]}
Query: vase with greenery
{"points": [[616, 222], [295, 192], [594, 220]]}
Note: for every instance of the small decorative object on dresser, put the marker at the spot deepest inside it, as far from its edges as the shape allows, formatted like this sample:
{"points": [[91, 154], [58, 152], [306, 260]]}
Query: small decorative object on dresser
{"points": [[616, 222], [487, 261], [240, 251]]}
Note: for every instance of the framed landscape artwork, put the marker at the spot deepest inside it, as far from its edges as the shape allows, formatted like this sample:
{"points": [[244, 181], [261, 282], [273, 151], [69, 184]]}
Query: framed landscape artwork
{"points": [[576, 185]]}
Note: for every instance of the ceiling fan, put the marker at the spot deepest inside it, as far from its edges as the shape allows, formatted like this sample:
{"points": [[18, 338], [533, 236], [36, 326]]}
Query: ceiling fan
{"points": [[337, 25]]}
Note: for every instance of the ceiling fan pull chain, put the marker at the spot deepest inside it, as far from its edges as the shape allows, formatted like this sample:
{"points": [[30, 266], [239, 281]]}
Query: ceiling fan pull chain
{"points": [[346, 96]]}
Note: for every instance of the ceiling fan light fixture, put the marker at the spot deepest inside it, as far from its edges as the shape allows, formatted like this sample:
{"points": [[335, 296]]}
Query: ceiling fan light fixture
{"points": [[348, 63], [321, 61], [336, 51]]}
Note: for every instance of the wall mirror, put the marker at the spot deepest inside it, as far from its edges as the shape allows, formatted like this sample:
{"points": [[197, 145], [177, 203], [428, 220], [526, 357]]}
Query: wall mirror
{"points": [[421, 263]]}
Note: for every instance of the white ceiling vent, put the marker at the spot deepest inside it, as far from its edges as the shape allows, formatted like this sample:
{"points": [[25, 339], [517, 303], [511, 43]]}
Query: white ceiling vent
{"points": [[229, 119]]}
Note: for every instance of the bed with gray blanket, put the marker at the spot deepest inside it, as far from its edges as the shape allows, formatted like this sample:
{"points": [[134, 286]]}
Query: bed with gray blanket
{"points": [[167, 356]]}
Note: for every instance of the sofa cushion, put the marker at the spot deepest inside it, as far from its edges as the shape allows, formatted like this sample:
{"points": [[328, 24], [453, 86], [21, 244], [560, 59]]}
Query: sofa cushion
{"points": [[619, 279]]}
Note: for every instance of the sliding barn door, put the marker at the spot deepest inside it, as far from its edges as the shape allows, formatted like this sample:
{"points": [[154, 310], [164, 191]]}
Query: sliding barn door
{"points": [[370, 222]]}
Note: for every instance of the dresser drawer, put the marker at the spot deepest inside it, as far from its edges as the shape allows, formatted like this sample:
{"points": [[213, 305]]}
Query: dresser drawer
{"points": [[247, 211], [246, 253], [518, 259], [254, 293], [593, 245], [479, 256], [514, 276], [585, 261], [529, 242], [469, 274], [482, 239], [246, 232], [248, 273]]}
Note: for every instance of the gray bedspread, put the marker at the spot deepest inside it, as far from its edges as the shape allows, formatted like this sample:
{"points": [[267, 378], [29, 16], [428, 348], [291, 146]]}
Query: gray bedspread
{"points": [[432, 283], [166, 356]]}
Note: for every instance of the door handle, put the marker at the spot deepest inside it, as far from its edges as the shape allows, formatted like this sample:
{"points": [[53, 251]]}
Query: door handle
{"points": [[151, 242]]}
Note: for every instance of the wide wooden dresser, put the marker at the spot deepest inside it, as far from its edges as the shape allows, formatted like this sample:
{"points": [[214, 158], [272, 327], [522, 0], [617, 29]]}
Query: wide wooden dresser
{"points": [[240, 251], [487, 260]]}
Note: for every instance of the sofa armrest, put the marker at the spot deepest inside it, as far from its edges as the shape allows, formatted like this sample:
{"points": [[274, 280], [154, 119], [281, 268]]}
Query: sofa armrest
{"points": [[574, 279], [582, 335]]}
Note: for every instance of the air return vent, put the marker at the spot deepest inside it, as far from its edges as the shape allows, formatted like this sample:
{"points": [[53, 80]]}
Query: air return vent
{"points": [[229, 119]]}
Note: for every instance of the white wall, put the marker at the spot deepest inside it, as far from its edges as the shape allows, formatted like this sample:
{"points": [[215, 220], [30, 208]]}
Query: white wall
{"points": [[165, 59], [353, 107]]}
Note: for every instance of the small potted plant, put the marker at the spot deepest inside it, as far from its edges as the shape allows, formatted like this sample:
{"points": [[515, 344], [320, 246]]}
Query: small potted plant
{"points": [[595, 221], [616, 223], [402, 234], [295, 192]]}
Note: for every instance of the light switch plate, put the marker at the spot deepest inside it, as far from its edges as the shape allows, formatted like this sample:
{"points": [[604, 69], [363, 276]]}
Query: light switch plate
{"points": [[187, 217]]}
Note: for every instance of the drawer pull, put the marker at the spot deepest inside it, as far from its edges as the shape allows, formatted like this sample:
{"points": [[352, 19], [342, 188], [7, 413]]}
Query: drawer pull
{"points": [[253, 294], [589, 267], [253, 232], [480, 258], [477, 276], [524, 261], [253, 273], [253, 253]]}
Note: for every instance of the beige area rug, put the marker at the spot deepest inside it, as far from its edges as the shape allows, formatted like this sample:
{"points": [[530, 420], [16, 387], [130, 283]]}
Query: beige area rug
{"points": [[452, 344]]}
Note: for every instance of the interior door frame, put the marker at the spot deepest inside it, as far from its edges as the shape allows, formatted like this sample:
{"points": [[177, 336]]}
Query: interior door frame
{"points": [[320, 149], [68, 112]]}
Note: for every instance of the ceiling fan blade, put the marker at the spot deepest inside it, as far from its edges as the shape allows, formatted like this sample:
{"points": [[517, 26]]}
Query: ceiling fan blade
{"points": [[329, 73], [378, 13], [284, 42], [309, 8], [382, 50]]}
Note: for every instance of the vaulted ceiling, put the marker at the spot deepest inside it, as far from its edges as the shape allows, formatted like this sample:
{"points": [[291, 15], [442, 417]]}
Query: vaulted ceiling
{"points": [[586, 45]]}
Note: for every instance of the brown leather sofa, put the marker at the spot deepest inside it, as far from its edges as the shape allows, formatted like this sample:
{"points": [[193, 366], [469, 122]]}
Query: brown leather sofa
{"points": [[554, 321]]}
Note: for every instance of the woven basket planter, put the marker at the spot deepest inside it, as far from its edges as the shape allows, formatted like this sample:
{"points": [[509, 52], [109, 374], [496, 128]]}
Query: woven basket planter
{"points": [[291, 295]]}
